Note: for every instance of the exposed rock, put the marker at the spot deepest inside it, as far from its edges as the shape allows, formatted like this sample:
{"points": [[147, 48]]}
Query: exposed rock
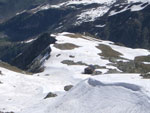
{"points": [[36, 65], [71, 56], [58, 55], [112, 59], [89, 70], [145, 75], [68, 87], [97, 73], [142, 58], [112, 71], [70, 62], [6, 112], [50, 95], [99, 67], [133, 67]]}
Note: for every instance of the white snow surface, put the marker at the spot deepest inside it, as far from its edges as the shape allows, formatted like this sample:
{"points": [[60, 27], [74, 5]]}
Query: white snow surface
{"points": [[89, 2], [105, 93], [94, 96], [91, 14], [108, 2]]}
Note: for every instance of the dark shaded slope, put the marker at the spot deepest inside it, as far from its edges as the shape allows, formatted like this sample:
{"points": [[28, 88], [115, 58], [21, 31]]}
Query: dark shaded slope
{"points": [[39, 46], [130, 28], [27, 25], [9, 8]]}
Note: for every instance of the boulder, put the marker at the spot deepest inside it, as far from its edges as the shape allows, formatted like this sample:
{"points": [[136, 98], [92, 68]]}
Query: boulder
{"points": [[68, 87], [50, 95], [89, 70]]}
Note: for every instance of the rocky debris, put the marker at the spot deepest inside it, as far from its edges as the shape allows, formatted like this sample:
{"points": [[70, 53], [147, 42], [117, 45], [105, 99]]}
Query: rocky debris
{"points": [[68, 87], [6, 112], [58, 55], [142, 58], [71, 56], [110, 71], [50, 95], [89, 70], [70, 62], [133, 67], [145, 75], [112, 59], [97, 73], [99, 67], [0, 72]]}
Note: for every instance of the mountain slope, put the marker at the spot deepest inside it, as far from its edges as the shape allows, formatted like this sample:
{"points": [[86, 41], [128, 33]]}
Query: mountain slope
{"points": [[90, 70], [94, 96], [70, 55], [9, 8], [123, 22]]}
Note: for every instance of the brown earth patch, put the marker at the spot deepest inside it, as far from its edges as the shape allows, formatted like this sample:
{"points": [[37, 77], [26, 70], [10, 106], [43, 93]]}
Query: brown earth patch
{"points": [[108, 52], [65, 46]]}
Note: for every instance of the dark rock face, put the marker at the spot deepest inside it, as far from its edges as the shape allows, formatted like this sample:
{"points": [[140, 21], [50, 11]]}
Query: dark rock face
{"points": [[36, 65], [27, 58], [68, 87], [50, 95]]}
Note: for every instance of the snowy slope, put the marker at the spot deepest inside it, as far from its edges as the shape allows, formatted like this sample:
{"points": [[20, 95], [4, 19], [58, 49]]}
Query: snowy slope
{"points": [[100, 1], [119, 93], [93, 96]]}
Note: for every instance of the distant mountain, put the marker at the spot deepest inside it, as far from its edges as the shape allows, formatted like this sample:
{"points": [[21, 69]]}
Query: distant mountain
{"points": [[121, 21], [9, 8]]}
